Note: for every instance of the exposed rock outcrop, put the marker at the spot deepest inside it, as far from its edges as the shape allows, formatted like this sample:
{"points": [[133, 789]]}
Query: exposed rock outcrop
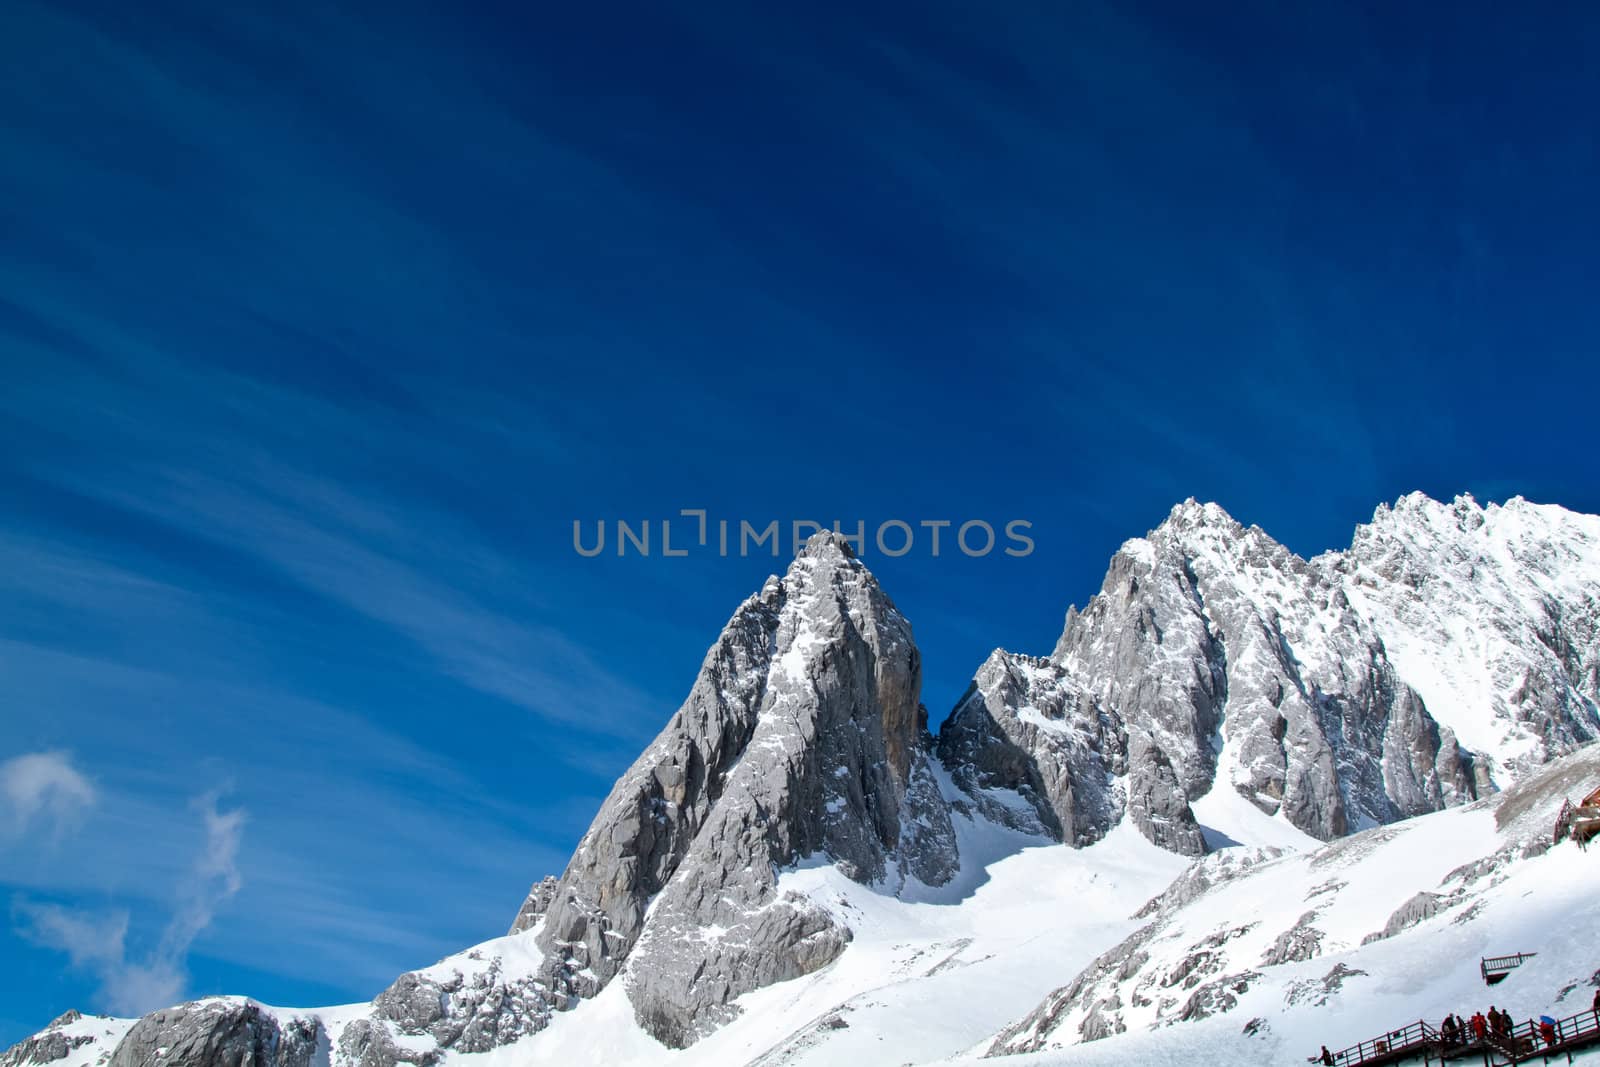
{"points": [[52, 1043], [1419, 908], [1212, 658], [218, 1033]]}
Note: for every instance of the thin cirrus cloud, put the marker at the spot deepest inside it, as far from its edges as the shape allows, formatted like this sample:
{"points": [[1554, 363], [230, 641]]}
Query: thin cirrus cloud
{"points": [[331, 549], [234, 477], [122, 420]]}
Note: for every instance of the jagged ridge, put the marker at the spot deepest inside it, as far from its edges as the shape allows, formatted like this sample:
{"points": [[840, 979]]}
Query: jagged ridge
{"points": [[1212, 658]]}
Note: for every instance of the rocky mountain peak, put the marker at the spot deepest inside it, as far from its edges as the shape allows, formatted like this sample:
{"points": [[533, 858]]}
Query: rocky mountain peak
{"points": [[824, 544], [1192, 514], [802, 736], [1215, 658], [1207, 532]]}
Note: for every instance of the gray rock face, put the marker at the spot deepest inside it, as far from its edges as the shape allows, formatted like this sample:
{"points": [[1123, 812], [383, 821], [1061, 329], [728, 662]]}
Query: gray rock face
{"points": [[1318, 991], [802, 736], [41, 1048], [217, 1033], [927, 849], [368, 1043], [594, 914], [466, 1012], [538, 902], [1302, 941], [835, 765], [1021, 728], [48, 1045], [1211, 658], [1217, 996], [1262, 650], [1026, 726], [1419, 908]]}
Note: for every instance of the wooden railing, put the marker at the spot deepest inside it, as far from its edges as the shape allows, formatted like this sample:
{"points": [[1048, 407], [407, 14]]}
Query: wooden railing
{"points": [[1524, 1042], [1499, 965], [1527, 1040], [1418, 1036]]}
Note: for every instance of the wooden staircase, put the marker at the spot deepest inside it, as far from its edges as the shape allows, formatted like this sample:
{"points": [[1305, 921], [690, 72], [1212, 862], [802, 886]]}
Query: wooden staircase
{"points": [[1524, 1044]]}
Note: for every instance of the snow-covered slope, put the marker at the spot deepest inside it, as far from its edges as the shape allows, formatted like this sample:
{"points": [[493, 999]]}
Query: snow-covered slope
{"points": [[923, 979], [1255, 954], [795, 872], [1344, 942]]}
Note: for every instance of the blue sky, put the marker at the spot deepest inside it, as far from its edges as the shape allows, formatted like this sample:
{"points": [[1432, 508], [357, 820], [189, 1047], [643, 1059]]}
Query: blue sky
{"points": [[319, 329]]}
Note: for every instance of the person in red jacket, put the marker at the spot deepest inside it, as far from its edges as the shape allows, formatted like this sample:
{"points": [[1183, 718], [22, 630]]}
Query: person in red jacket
{"points": [[1480, 1025]]}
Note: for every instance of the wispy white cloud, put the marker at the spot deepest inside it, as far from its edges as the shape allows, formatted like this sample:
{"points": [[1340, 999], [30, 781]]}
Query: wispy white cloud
{"points": [[43, 786], [215, 879], [96, 941], [89, 940]]}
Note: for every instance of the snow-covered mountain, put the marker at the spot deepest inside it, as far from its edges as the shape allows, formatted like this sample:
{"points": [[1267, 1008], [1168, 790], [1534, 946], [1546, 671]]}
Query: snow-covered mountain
{"points": [[1450, 648], [795, 871], [802, 736]]}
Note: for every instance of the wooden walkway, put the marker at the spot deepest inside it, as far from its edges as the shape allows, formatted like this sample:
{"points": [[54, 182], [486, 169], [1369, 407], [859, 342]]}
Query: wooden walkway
{"points": [[1408, 1042], [1525, 1044]]}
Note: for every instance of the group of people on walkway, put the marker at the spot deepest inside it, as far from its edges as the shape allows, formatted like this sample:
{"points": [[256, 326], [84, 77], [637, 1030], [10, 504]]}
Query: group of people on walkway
{"points": [[1457, 1031], [1480, 1026], [1476, 1029]]}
